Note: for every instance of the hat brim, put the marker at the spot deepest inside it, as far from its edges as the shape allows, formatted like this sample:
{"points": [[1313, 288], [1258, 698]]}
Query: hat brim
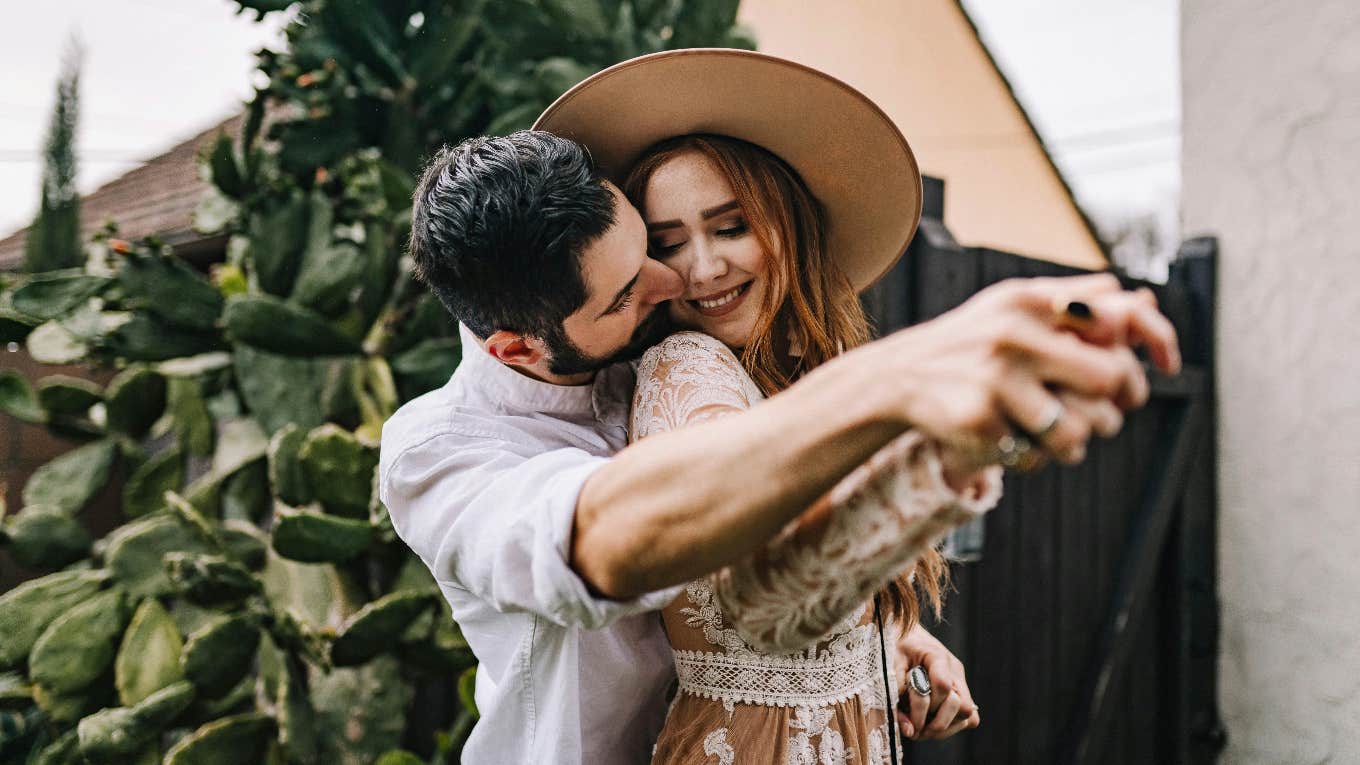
{"points": [[852, 157]]}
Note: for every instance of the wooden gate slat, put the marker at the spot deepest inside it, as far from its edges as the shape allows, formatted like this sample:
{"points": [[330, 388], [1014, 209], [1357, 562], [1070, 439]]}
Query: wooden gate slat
{"points": [[1081, 744], [1036, 576], [1028, 619]]}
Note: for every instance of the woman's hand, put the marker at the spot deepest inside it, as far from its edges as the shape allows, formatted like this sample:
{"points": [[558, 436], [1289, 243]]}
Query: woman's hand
{"points": [[950, 708], [1079, 419]]}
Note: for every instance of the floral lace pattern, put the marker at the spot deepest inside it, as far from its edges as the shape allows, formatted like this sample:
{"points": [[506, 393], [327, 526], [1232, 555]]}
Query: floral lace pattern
{"points": [[689, 377], [886, 513], [778, 652], [812, 723], [844, 667], [715, 745]]}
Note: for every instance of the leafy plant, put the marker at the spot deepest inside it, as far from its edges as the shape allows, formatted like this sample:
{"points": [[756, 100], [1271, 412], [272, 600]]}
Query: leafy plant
{"points": [[53, 240], [256, 605]]}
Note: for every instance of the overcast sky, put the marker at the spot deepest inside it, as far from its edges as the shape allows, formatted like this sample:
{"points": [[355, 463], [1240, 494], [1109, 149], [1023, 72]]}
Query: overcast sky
{"points": [[1100, 79]]}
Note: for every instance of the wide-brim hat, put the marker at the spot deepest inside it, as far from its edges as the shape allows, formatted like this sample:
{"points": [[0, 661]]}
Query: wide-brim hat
{"points": [[852, 157]]}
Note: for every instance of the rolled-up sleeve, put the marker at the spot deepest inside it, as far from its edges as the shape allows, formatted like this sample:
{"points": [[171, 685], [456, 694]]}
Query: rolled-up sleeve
{"points": [[498, 524]]}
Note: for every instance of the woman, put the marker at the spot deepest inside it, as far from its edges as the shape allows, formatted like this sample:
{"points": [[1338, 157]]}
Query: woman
{"points": [[781, 657]]}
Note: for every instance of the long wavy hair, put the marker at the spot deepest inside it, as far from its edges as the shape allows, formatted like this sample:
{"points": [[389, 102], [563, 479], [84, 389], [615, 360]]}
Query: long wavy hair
{"points": [[810, 312]]}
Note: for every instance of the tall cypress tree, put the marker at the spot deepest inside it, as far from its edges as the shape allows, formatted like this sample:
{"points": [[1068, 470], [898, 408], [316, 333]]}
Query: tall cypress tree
{"points": [[54, 238]]}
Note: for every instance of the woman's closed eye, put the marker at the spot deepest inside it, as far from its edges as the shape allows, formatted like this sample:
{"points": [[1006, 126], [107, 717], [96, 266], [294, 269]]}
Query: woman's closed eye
{"points": [[733, 229], [660, 249]]}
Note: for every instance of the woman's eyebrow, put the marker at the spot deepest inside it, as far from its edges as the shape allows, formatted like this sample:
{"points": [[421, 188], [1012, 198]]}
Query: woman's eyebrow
{"points": [[711, 212]]}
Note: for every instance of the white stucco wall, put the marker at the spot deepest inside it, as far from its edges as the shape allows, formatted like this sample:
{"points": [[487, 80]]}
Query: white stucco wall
{"points": [[1272, 166]]}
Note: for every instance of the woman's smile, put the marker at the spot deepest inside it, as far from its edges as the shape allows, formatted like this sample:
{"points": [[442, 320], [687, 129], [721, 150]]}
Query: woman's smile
{"points": [[721, 303]]}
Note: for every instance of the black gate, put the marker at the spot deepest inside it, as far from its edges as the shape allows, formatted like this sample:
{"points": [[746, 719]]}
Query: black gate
{"points": [[1086, 612]]}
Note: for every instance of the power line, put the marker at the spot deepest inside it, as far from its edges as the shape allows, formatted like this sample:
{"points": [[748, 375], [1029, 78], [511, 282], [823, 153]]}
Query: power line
{"points": [[46, 111], [95, 155], [35, 161], [1121, 167], [1133, 133]]}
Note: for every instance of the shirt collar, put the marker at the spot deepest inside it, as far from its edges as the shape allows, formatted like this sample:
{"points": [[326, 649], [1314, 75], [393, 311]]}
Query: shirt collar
{"points": [[607, 398]]}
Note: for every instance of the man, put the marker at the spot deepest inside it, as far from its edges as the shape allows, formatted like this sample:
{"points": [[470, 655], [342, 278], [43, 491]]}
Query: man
{"points": [[552, 543]]}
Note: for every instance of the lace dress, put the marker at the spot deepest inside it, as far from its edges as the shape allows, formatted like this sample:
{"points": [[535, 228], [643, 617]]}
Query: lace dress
{"points": [[778, 656]]}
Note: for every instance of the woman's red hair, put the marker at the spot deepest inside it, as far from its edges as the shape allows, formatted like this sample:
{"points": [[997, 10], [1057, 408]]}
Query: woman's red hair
{"points": [[810, 314]]}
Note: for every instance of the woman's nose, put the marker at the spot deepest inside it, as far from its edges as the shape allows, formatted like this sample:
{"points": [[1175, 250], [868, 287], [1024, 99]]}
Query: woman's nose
{"points": [[708, 265]]}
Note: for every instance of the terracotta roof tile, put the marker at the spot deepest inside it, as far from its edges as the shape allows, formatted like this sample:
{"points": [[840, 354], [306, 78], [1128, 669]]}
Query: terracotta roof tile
{"points": [[158, 197]]}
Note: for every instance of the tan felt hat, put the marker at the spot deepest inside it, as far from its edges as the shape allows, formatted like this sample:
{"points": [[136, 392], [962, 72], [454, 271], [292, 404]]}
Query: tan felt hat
{"points": [[850, 154]]}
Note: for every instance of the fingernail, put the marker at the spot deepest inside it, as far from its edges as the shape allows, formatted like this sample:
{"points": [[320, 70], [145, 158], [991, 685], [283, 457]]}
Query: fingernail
{"points": [[910, 730]]}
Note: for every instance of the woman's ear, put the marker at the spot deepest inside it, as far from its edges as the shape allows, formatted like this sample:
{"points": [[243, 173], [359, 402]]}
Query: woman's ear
{"points": [[514, 349]]}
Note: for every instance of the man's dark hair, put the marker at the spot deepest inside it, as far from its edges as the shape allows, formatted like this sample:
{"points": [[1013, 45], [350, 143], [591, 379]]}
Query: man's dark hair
{"points": [[498, 228]]}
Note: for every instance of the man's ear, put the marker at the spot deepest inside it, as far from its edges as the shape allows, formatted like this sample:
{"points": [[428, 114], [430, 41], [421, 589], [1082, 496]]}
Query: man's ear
{"points": [[514, 349]]}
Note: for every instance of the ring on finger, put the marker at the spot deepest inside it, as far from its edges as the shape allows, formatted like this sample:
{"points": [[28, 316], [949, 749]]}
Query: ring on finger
{"points": [[1012, 449], [1067, 310], [919, 681]]}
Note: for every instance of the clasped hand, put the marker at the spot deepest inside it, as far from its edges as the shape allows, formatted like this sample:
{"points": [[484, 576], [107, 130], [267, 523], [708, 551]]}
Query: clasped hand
{"points": [[1013, 363]]}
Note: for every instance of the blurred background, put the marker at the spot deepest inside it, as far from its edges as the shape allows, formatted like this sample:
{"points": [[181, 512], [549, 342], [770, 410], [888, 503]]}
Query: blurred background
{"points": [[206, 316]]}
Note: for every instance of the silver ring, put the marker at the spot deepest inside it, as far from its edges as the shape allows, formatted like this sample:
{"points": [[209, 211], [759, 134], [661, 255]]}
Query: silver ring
{"points": [[1011, 449], [1055, 413], [919, 681]]}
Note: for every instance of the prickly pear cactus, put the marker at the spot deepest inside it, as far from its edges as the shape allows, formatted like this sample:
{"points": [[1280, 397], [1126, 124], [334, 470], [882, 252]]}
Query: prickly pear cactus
{"points": [[255, 605]]}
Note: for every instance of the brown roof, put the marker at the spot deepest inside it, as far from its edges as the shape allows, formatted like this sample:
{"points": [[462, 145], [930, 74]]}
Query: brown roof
{"points": [[158, 198]]}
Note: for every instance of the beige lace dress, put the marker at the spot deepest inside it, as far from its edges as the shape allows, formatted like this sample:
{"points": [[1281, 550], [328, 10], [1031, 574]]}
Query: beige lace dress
{"points": [[778, 656]]}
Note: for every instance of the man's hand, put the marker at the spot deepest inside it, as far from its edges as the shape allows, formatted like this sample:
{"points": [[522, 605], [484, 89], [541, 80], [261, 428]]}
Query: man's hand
{"points": [[1003, 362], [950, 708]]}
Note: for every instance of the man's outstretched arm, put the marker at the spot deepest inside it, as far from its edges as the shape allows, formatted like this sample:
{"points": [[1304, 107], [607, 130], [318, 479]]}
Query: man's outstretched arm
{"points": [[684, 503]]}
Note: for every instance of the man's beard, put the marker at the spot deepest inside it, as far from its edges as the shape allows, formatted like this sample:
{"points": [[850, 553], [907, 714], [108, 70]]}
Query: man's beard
{"points": [[567, 359]]}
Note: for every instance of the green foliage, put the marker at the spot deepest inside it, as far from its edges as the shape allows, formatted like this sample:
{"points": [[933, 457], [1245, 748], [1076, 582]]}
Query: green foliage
{"points": [[135, 400], [148, 658], [45, 536], [68, 395], [70, 481], [78, 646], [377, 626], [255, 605], [119, 734], [18, 400], [313, 537], [28, 609], [228, 741], [54, 237], [218, 655], [54, 294]]}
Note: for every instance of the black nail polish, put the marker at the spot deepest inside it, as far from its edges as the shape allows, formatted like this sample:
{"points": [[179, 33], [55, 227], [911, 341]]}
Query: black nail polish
{"points": [[1078, 309]]}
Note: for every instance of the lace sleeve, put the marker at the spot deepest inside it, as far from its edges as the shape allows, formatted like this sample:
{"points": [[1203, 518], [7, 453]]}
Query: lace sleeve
{"points": [[826, 563], [689, 377], [829, 560]]}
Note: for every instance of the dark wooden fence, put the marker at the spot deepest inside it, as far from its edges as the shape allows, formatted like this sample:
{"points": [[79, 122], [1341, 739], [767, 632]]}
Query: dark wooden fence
{"points": [[1086, 611]]}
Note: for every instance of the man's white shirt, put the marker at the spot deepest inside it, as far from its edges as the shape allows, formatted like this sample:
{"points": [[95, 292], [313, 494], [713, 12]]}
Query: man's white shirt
{"points": [[481, 479]]}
